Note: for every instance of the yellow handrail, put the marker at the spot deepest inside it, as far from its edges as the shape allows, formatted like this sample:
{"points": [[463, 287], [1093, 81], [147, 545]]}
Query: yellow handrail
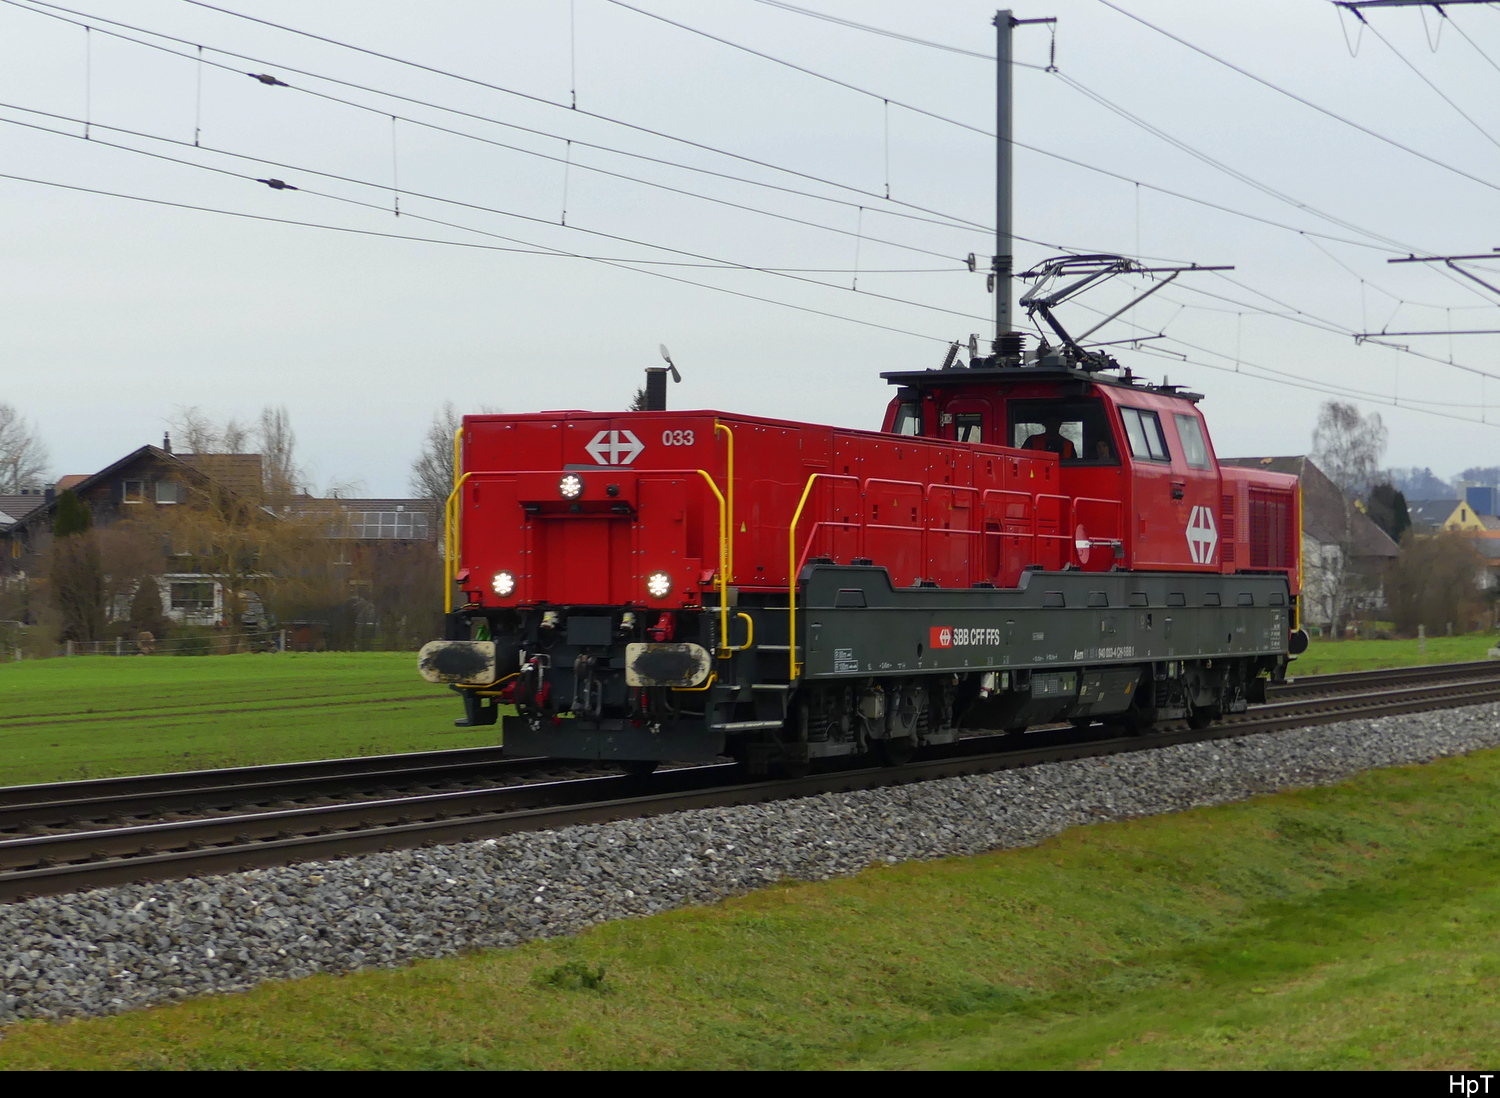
{"points": [[723, 578], [450, 537], [791, 580], [749, 632], [729, 548]]}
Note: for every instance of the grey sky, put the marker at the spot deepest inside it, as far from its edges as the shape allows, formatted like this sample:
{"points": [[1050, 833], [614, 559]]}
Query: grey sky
{"points": [[114, 312]]}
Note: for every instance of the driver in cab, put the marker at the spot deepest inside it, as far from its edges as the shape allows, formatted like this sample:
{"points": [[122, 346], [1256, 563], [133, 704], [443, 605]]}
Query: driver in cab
{"points": [[1052, 440]]}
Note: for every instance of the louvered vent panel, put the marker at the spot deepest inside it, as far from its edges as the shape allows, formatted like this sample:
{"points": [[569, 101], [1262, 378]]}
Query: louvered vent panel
{"points": [[1272, 530], [1227, 528]]}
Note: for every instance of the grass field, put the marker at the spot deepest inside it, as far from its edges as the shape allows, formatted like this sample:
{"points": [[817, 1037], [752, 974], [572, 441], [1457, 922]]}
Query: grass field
{"points": [[1325, 657], [1356, 926], [98, 716]]}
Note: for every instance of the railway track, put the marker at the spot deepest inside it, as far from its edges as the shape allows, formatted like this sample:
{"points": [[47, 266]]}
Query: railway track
{"points": [[110, 801], [93, 842]]}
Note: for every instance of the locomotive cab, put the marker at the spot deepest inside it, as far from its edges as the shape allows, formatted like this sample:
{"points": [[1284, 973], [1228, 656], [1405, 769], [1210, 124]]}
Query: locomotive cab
{"points": [[1135, 459]]}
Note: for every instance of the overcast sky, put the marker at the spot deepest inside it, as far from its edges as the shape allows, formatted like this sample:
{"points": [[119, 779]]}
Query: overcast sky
{"points": [[116, 313]]}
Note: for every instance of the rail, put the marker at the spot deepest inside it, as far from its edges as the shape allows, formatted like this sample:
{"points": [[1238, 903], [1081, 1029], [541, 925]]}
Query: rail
{"points": [[67, 861]]}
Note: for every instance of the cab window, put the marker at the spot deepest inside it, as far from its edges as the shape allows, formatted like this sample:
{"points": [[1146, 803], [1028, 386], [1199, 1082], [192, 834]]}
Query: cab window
{"points": [[968, 427], [1076, 430], [1143, 429], [1190, 434], [908, 419]]}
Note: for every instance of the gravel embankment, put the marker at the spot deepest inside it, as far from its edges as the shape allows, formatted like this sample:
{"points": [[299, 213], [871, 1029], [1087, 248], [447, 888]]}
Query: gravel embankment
{"points": [[117, 948]]}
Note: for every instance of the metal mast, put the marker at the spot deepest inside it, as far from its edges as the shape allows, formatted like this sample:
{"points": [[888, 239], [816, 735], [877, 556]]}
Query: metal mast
{"points": [[1004, 263]]}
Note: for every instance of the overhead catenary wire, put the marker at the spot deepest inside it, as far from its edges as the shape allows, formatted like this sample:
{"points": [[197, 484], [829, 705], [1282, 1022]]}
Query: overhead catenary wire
{"points": [[956, 223], [714, 265], [1424, 78], [804, 70], [623, 263], [1282, 377], [1323, 236], [542, 100], [727, 264], [1492, 185], [1301, 316], [1243, 177], [943, 221], [1077, 85], [853, 25], [1321, 323]]}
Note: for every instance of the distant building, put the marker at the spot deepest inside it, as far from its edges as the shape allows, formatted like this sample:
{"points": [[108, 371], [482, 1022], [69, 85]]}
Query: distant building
{"points": [[135, 487], [1431, 515], [1344, 553]]}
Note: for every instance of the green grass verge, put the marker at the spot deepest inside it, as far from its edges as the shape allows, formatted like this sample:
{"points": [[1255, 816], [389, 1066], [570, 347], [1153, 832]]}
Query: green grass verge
{"points": [[100, 716], [1325, 657], [1353, 926]]}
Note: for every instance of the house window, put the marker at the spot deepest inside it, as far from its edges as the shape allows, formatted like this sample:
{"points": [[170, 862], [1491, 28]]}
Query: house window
{"points": [[133, 491], [399, 525], [166, 491], [193, 598]]}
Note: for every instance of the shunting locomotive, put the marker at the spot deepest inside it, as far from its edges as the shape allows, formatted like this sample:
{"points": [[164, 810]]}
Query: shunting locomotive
{"points": [[1032, 537]]}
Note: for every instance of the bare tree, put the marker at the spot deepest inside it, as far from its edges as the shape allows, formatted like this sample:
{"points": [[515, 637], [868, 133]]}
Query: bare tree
{"points": [[432, 471], [1348, 446], [197, 433], [23, 458], [278, 445]]}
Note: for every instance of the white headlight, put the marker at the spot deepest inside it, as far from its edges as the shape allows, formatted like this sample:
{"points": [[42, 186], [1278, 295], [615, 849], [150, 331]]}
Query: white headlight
{"points": [[571, 486], [505, 584], [658, 585]]}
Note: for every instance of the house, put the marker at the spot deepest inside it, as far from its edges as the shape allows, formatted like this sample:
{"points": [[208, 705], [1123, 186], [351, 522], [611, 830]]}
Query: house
{"points": [[1431, 515], [387, 556], [14, 506], [1344, 553], [365, 571], [143, 487]]}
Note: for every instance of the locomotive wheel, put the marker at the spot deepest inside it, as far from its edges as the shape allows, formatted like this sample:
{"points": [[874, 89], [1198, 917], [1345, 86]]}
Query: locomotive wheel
{"points": [[794, 768], [640, 768], [1202, 718], [894, 752]]}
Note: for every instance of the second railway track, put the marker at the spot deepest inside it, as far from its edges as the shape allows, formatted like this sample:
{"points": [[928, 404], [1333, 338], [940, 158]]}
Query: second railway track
{"points": [[88, 855]]}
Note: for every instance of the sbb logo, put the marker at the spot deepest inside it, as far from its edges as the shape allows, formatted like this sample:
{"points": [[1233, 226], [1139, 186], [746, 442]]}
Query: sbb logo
{"points": [[940, 636]]}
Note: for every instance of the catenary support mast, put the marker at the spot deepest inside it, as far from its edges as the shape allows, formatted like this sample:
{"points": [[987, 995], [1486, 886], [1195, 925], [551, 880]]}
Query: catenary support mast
{"points": [[1004, 260], [1003, 263]]}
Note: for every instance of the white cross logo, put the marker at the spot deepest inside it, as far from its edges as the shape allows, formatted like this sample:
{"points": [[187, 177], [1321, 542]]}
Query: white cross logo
{"points": [[615, 447], [1202, 536]]}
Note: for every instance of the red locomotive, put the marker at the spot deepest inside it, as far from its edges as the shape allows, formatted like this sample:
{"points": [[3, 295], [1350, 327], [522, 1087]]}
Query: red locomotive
{"points": [[1026, 540]]}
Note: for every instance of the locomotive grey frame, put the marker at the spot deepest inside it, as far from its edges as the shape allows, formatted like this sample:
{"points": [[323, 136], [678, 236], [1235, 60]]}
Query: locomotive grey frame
{"points": [[883, 666]]}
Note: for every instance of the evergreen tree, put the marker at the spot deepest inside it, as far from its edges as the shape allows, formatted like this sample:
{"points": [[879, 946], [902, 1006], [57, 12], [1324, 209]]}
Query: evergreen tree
{"points": [[1387, 509], [73, 515], [146, 613]]}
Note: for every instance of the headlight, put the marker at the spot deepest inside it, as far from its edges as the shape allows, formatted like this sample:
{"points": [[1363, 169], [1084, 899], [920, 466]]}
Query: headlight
{"points": [[505, 584], [658, 585], [571, 486]]}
